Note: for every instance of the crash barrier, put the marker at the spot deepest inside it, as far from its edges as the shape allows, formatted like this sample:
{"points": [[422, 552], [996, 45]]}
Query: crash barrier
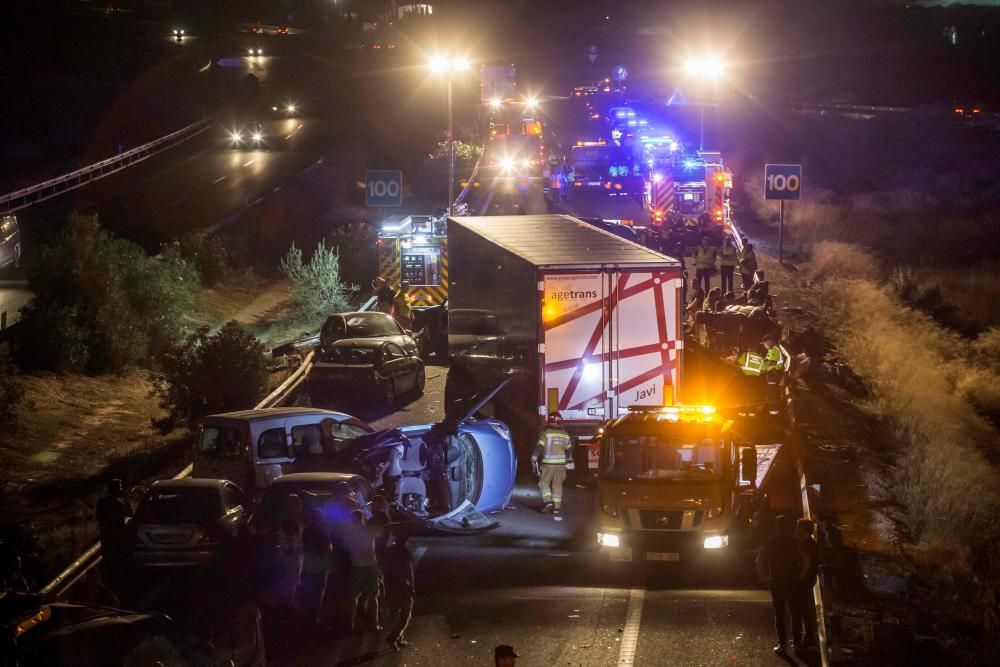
{"points": [[14, 201], [848, 108], [807, 511], [66, 579]]}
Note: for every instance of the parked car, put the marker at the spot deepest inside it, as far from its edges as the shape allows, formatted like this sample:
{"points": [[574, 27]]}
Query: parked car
{"points": [[187, 522], [364, 325], [317, 490], [253, 447], [367, 366], [37, 631]]}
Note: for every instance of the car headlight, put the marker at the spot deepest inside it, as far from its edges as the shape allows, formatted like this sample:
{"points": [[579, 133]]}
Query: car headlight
{"points": [[716, 541], [714, 512], [258, 137], [291, 108], [609, 540], [249, 52], [236, 137]]}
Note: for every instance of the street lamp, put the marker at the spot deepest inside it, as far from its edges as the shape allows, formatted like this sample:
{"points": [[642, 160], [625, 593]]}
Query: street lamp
{"points": [[531, 103], [447, 64], [710, 67]]}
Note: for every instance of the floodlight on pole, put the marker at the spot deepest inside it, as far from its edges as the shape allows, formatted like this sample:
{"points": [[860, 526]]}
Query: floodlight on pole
{"points": [[447, 64]]}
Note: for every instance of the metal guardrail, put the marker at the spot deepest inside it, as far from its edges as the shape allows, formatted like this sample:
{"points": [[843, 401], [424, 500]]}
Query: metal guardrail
{"points": [[14, 201]]}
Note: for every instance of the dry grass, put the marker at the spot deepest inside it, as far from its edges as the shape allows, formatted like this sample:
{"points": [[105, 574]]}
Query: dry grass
{"points": [[933, 387]]}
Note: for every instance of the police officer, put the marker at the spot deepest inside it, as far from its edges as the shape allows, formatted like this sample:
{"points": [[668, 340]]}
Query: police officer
{"points": [[727, 264], [549, 460], [751, 363], [704, 264], [774, 368]]}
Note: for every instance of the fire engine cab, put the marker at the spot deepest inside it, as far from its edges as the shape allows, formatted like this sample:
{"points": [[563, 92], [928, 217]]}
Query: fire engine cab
{"points": [[690, 190], [414, 249]]}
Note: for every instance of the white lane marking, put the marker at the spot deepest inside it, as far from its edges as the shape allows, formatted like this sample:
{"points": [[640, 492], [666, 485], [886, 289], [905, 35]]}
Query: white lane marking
{"points": [[178, 201], [249, 162], [486, 204], [630, 636], [219, 180]]}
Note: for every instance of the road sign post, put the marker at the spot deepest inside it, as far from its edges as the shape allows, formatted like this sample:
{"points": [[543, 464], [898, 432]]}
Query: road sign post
{"points": [[782, 182], [384, 188]]}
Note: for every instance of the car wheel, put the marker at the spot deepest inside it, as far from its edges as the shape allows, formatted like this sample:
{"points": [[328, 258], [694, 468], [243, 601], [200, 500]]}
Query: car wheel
{"points": [[421, 381], [390, 392]]}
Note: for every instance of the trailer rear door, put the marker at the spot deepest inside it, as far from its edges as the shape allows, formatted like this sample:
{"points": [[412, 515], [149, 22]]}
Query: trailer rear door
{"points": [[612, 338]]}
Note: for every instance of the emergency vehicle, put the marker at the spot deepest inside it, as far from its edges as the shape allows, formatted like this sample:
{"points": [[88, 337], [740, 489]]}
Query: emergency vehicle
{"points": [[689, 188], [415, 249], [680, 483]]}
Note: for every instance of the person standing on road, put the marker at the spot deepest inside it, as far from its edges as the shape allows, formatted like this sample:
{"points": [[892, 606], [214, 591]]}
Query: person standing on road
{"points": [[774, 368], [401, 306], [570, 173], [383, 295], [781, 565], [505, 656], [704, 264], [808, 640], [748, 263], [316, 549], [727, 264], [399, 589], [548, 461], [113, 512], [363, 579]]}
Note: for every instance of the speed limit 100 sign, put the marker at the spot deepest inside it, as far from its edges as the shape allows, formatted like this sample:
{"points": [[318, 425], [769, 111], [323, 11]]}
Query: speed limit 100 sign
{"points": [[782, 181], [384, 188]]}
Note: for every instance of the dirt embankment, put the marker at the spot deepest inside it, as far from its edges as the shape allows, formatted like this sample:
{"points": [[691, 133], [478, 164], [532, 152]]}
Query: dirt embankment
{"points": [[897, 469]]}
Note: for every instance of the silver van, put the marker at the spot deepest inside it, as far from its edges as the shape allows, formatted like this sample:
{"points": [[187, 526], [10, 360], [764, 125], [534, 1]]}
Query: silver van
{"points": [[253, 447]]}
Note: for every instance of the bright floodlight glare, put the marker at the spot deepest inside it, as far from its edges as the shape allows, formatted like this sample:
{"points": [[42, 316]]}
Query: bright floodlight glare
{"points": [[460, 64], [236, 136], [291, 108], [496, 103], [439, 63], [506, 164], [710, 66], [249, 52], [258, 137], [531, 103]]}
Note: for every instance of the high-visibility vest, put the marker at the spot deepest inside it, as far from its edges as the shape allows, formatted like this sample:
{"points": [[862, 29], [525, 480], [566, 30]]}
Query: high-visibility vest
{"points": [[401, 304], [704, 258], [751, 364], [727, 257], [556, 446], [774, 360]]}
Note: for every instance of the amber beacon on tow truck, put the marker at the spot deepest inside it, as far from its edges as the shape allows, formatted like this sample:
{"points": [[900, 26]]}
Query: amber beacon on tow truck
{"points": [[676, 483]]}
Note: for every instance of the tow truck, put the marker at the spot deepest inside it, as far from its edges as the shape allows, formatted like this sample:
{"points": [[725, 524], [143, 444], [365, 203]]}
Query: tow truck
{"points": [[681, 483]]}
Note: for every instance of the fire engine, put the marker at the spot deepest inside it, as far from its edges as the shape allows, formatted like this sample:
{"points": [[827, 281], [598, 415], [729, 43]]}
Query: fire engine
{"points": [[414, 249], [687, 189]]}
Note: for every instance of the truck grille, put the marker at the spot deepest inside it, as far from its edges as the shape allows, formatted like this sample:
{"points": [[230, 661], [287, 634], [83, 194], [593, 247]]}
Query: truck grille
{"points": [[668, 519], [661, 519]]}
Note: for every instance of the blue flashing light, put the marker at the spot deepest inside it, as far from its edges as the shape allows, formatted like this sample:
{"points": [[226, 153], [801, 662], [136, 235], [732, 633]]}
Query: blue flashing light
{"points": [[690, 163]]}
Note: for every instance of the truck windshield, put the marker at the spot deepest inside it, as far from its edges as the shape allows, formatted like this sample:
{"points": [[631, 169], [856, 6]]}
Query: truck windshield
{"points": [[662, 457]]}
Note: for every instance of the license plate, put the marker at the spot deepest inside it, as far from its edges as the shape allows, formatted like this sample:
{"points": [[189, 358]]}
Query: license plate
{"points": [[662, 555], [622, 553]]}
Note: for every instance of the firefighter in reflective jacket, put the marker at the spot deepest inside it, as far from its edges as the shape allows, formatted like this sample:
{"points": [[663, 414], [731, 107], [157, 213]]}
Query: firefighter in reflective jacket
{"points": [[549, 460]]}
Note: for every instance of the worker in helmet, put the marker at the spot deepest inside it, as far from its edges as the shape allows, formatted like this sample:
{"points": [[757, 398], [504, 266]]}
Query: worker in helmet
{"points": [[548, 461]]}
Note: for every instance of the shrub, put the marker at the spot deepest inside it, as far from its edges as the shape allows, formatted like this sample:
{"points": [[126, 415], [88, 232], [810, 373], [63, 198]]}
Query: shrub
{"points": [[11, 391], [210, 256], [101, 304], [317, 287], [839, 261], [357, 248], [207, 374]]}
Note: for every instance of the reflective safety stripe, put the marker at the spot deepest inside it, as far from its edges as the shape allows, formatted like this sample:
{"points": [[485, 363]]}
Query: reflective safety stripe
{"points": [[751, 364], [555, 446], [704, 258], [774, 359], [728, 256]]}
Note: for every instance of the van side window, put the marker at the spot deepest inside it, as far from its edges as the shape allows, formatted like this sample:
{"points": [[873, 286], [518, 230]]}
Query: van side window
{"points": [[271, 444], [219, 441], [307, 440]]}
